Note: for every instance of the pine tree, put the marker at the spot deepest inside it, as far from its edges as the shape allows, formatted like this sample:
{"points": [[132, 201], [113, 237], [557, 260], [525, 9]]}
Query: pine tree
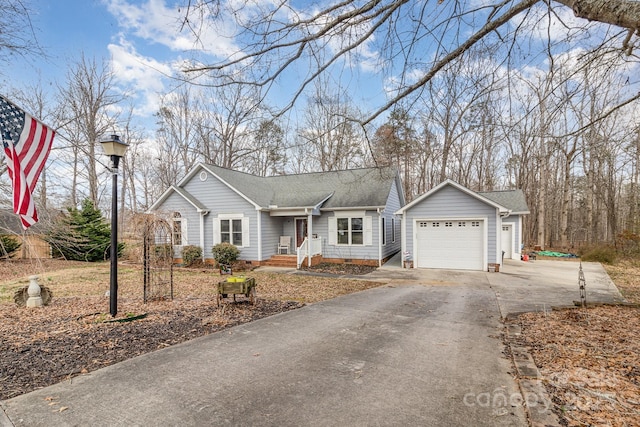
{"points": [[82, 235], [8, 245]]}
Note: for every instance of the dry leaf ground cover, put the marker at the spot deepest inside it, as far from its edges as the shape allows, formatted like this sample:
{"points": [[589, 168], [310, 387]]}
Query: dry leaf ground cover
{"points": [[43, 346], [589, 359]]}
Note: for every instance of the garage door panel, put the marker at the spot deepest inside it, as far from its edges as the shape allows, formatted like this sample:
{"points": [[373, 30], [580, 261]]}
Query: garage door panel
{"points": [[450, 244]]}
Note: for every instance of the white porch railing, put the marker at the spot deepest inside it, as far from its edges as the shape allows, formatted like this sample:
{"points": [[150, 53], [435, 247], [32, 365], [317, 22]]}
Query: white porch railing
{"points": [[308, 249]]}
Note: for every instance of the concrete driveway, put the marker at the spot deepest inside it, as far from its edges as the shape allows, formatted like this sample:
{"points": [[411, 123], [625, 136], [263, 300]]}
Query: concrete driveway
{"points": [[422, 351], [520, 286]]}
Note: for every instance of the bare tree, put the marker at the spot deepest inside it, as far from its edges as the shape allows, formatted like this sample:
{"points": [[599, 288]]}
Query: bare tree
{"points": [[17, 33], [424, 37], [330, 138], [177, 136], [86, 98], [267, 156], [396, 144], [230, 117]]}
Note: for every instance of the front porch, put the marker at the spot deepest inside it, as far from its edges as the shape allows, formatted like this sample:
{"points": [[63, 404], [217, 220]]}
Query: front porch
{"points": [[290, 261], [307, 253]]}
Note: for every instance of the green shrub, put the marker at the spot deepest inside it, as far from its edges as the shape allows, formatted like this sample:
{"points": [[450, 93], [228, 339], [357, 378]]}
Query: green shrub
{"points": [[191, 254], [8, 245], [603, 254], [225, 253]]}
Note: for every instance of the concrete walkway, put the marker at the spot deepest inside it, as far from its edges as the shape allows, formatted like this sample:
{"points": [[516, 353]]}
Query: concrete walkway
{"points": [[425, 350]]}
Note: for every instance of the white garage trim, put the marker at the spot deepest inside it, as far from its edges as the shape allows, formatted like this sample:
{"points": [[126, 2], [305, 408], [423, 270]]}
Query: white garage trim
{"points": [[455, 258]]}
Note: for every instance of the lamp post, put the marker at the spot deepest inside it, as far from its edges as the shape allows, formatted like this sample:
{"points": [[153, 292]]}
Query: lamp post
{"points": [[115, 149]]}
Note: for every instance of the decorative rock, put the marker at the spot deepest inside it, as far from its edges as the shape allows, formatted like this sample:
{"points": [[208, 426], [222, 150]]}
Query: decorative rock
{"points": [[35, 299]]}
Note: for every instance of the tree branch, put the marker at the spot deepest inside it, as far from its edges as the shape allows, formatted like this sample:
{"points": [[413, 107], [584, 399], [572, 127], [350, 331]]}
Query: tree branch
{"points": [[622, 13]]}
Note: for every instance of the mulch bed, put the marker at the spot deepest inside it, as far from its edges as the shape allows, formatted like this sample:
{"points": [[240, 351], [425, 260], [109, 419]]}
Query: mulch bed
{"points": [[589, 360], [44, 346], [340, 269]]}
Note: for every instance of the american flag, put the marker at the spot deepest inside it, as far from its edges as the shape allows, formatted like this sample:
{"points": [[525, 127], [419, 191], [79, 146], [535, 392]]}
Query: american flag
{"points": [[27, 144]]}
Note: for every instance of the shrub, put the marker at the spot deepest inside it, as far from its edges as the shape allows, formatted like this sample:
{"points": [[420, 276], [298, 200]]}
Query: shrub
{"points": [[628, 244], [163, 252], [8, 245], [191, 254], [225, 253], [603, 254]]}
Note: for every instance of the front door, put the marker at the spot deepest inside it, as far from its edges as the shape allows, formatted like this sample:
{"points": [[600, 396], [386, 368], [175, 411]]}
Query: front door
{"points": [[301, 231]]}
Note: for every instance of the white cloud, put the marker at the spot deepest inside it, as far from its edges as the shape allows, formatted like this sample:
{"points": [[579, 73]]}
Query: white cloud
{"points": [[156, 22], [144, 75], [558, 24]]}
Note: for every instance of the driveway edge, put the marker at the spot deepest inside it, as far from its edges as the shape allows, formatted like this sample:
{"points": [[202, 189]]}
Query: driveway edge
{"points": [[4, 418], [535, 399]]}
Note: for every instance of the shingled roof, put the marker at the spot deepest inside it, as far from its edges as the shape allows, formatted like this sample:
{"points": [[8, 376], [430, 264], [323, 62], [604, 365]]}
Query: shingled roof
{"points": [[513, 200], [356, 188]]}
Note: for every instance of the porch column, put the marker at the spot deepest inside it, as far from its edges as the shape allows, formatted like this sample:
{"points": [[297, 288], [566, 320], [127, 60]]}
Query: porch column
{"points": [[309, 238], [202, 214]]}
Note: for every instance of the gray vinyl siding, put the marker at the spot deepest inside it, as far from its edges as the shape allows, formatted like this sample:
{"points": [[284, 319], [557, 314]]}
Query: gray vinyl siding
{"points": [[216, 198], [272, 228], [176, 203], [361, 252], [393, 204], [515, 220], [450, 202], [220, 199]]}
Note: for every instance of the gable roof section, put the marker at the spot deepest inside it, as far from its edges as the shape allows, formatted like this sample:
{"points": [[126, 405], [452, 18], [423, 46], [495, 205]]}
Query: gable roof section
{"points": [[184, 194], [511, 199], [462, 188], [356, 188]]}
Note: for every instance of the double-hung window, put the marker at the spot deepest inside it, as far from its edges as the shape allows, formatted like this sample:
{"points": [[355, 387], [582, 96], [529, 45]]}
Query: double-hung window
{"points": [[231, 231], [179, 230], [350, 231], [231, 228]]}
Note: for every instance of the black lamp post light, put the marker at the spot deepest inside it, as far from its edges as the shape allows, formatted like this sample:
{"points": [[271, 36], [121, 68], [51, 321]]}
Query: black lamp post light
{"points": [[114, 148]]}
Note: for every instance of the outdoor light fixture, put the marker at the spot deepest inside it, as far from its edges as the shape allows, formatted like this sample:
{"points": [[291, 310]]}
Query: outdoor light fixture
{"points": [[114, 148]]}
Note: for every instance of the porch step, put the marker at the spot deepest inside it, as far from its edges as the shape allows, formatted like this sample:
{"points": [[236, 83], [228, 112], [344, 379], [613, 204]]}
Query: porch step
{"points": [[282, 261]]}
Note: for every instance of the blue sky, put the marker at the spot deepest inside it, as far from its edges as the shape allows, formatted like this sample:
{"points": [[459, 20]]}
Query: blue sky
{"points": [[142, 41], [122, 32]]}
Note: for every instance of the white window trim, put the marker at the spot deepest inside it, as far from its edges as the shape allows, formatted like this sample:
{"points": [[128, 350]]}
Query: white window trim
{"points": [[183, 230], [217, 238], [383, 233], [367, 229], [393, 230]]}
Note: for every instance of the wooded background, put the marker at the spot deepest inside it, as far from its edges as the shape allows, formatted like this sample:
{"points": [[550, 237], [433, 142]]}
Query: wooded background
{"points": [[503, 102]]}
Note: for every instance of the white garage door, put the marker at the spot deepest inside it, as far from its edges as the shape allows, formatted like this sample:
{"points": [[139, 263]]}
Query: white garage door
{"points": [[450, 244], [507, 240]]}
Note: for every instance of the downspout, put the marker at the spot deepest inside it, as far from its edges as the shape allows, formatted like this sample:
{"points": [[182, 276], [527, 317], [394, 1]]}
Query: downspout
{"points": [[380, 231], [309, 235], [202, 214], [403, 236], [259, 224]]}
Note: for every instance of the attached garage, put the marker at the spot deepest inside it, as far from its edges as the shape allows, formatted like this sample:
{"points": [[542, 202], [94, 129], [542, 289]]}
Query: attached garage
{"points": [[457, 244], [453, 227]]}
